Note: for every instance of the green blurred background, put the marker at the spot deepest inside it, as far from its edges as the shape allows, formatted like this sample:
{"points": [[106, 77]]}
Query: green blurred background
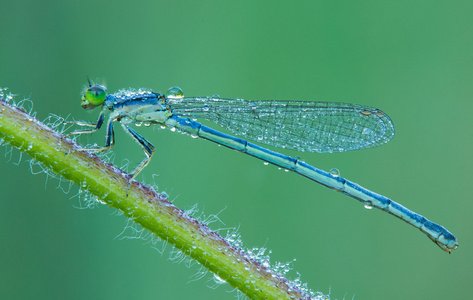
{"points": [[412, 59]]}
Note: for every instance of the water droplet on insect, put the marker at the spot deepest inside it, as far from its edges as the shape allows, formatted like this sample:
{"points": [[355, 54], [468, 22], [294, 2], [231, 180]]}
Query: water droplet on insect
{"points": [[206, 107], [368, 205], [147, 124], [138, 124], [216, 96], [335, 172], [173, 129], [379, 113], [266, 163], [194, 136], [366, 131], [286, 170], [175, 93], [260, 137]]}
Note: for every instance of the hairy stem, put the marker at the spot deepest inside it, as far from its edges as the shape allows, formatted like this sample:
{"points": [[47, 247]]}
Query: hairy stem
{"points": [[145, 206]]}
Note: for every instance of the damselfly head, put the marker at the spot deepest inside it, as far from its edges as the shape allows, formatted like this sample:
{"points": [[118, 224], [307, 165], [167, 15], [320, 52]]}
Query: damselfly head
{"points": [[94, 96]]}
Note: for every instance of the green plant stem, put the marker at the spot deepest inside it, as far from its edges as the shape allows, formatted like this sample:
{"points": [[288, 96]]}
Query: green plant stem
{"points": [[146, 207]]}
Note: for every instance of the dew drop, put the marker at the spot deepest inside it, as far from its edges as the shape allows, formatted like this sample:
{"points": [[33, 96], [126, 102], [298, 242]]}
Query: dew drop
{"points": [[218, 279], [335, 172], [175, 93], [379, 113], [368, 205], [266, 163]]}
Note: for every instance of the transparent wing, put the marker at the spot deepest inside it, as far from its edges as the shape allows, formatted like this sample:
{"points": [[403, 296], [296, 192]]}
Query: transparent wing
{"points": [[304, 126]]}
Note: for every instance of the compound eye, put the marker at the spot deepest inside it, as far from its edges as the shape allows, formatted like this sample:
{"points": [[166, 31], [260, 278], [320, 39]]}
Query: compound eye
{"points": [[96, 94]]}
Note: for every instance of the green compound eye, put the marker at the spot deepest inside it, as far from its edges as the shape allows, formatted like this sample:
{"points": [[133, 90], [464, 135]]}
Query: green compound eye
{"points": [[94, 96]]}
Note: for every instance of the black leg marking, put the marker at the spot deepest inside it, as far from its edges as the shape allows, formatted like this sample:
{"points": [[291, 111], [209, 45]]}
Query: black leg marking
{"points": [[147, 146], [110, 137]]}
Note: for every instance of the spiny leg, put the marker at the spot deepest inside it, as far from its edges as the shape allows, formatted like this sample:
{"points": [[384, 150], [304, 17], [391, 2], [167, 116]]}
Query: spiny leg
{"points": [[109, 137], [97, 125], [147, 146], [81, 123], [149, 150]]}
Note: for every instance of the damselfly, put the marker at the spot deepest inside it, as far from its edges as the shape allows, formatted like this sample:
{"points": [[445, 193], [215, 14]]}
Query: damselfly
{"points": [[301, 125]]}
